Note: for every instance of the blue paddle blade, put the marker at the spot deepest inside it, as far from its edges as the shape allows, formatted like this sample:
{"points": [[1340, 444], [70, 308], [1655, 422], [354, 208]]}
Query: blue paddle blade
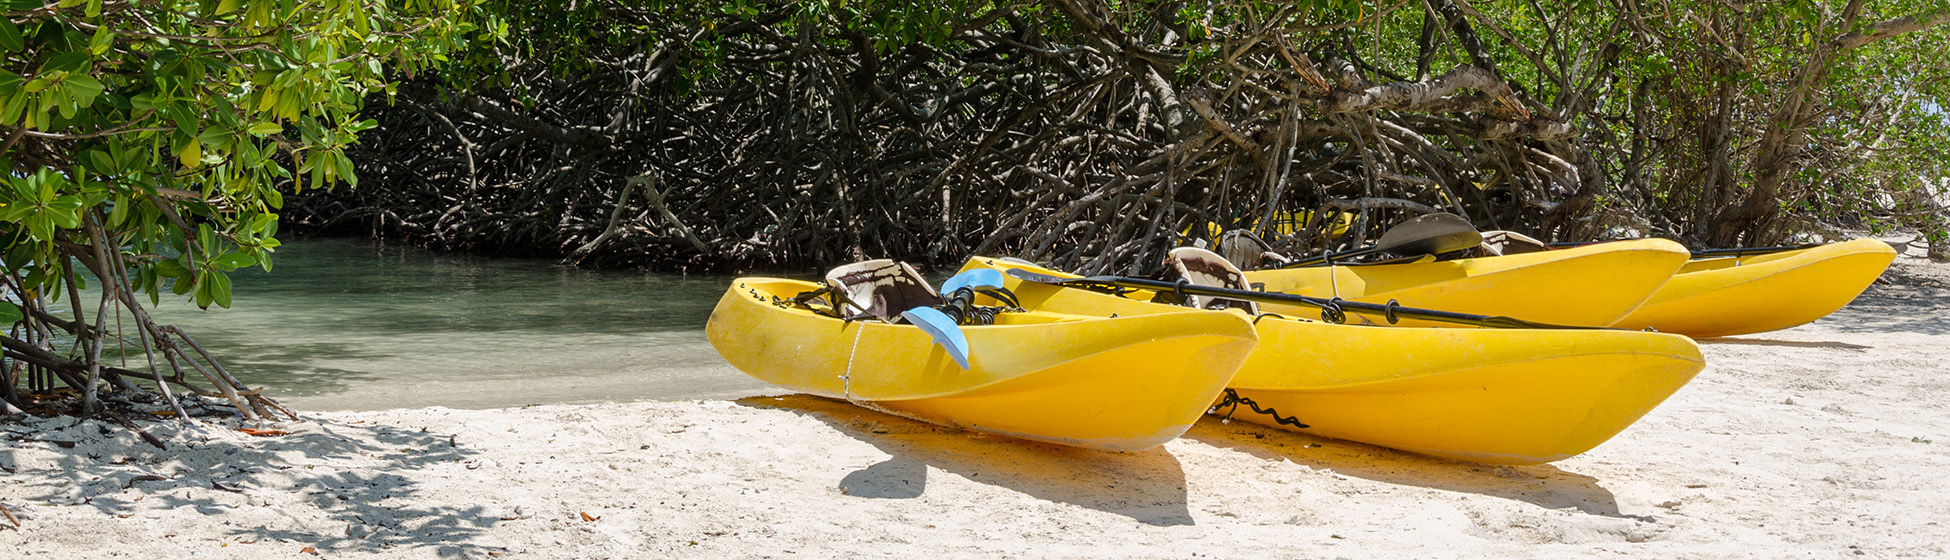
{"points": [[979, 279], [944, 330]]}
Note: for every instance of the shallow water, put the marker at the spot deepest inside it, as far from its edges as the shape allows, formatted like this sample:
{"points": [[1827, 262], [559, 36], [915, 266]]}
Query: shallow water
{"points": [[353, 324]]}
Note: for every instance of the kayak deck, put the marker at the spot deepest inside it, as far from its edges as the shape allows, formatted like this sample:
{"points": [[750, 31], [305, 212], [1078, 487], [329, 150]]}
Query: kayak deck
{"points": [[1743, 295], [1512, 396], [1594, 285], [1120, 384]]}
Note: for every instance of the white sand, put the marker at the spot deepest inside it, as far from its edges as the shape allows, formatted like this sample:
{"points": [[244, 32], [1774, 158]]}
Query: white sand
{"points": [[1828, 440]]}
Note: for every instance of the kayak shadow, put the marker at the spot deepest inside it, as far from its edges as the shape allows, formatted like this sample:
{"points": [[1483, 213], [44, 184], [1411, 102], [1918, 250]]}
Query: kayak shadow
{"points": [[1147, 486], [1907, 298], [1545, 486]]}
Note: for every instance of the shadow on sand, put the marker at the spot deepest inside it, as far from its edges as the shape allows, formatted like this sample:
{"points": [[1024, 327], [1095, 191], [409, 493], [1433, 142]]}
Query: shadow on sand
{"points": [[1147, 486], [1787, 343], [1545, 486], [1908, 298], [366, 510]]}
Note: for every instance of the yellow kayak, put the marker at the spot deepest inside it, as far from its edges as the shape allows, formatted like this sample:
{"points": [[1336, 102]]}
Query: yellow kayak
{"points": [[1759, 293], [1595, 285], [1510, 396], [1119, 384]]}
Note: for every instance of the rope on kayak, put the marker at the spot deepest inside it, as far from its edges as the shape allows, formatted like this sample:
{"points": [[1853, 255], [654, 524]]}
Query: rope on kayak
{"points": [[1233, 400], [1331, 312], [846, 379], [804, 300], [1333, 282]]}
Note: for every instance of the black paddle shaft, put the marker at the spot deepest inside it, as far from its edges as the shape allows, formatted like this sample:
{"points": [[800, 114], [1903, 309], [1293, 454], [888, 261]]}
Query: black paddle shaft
{"points": [[1277, 297], [1735, 252], [1749, 251]]}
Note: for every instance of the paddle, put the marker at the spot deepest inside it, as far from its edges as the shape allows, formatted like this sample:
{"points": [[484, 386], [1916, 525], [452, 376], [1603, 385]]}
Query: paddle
{"points": [[1428, 234], [959, 292], [877, 287], [1391, 311], [944, 324], [1711, 253], [943, 329], [1749, 251]]}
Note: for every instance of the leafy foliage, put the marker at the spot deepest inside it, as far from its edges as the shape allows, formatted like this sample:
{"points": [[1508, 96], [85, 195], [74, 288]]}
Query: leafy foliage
{"points": [[152, 142], [174, 123]]}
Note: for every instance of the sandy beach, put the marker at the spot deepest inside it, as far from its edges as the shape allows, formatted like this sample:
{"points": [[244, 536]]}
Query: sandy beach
{"points": [[1830, 440]]}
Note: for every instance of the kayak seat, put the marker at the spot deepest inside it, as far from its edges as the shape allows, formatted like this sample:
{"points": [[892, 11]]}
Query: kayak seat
{"points": [[881, 288], [1205, 268]]}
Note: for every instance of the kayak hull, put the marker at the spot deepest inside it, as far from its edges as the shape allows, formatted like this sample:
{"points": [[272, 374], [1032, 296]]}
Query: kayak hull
{"points": [[1588, 286], [1507, 396], [1123, 384], [1490, 396], [1745, 295]]}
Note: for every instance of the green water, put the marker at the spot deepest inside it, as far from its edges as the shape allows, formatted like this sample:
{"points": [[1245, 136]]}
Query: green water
{"points": [[344, 324]]}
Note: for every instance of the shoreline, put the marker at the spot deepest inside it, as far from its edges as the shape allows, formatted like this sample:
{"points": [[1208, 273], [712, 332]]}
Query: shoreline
{"points": [[1823, 440]]}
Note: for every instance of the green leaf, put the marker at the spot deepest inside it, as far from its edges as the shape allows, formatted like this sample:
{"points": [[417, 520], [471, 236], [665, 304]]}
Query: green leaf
{"points": [[63, 211], [103, 162], [171, 269], [184, 119], [205, 236], [234, 261], [10, 39], [103, 40], [10, 313], [192, 154], [41, 226], [1805, 10], [220, 289], [36, 277], [317, 174], [266, 128], [264, 224], [344, 165], [15, 104], [63, 102], [20, 254], [118, 213], [71, 62], [218, 139], [15, 212], [204, 295], [83, 86]]}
